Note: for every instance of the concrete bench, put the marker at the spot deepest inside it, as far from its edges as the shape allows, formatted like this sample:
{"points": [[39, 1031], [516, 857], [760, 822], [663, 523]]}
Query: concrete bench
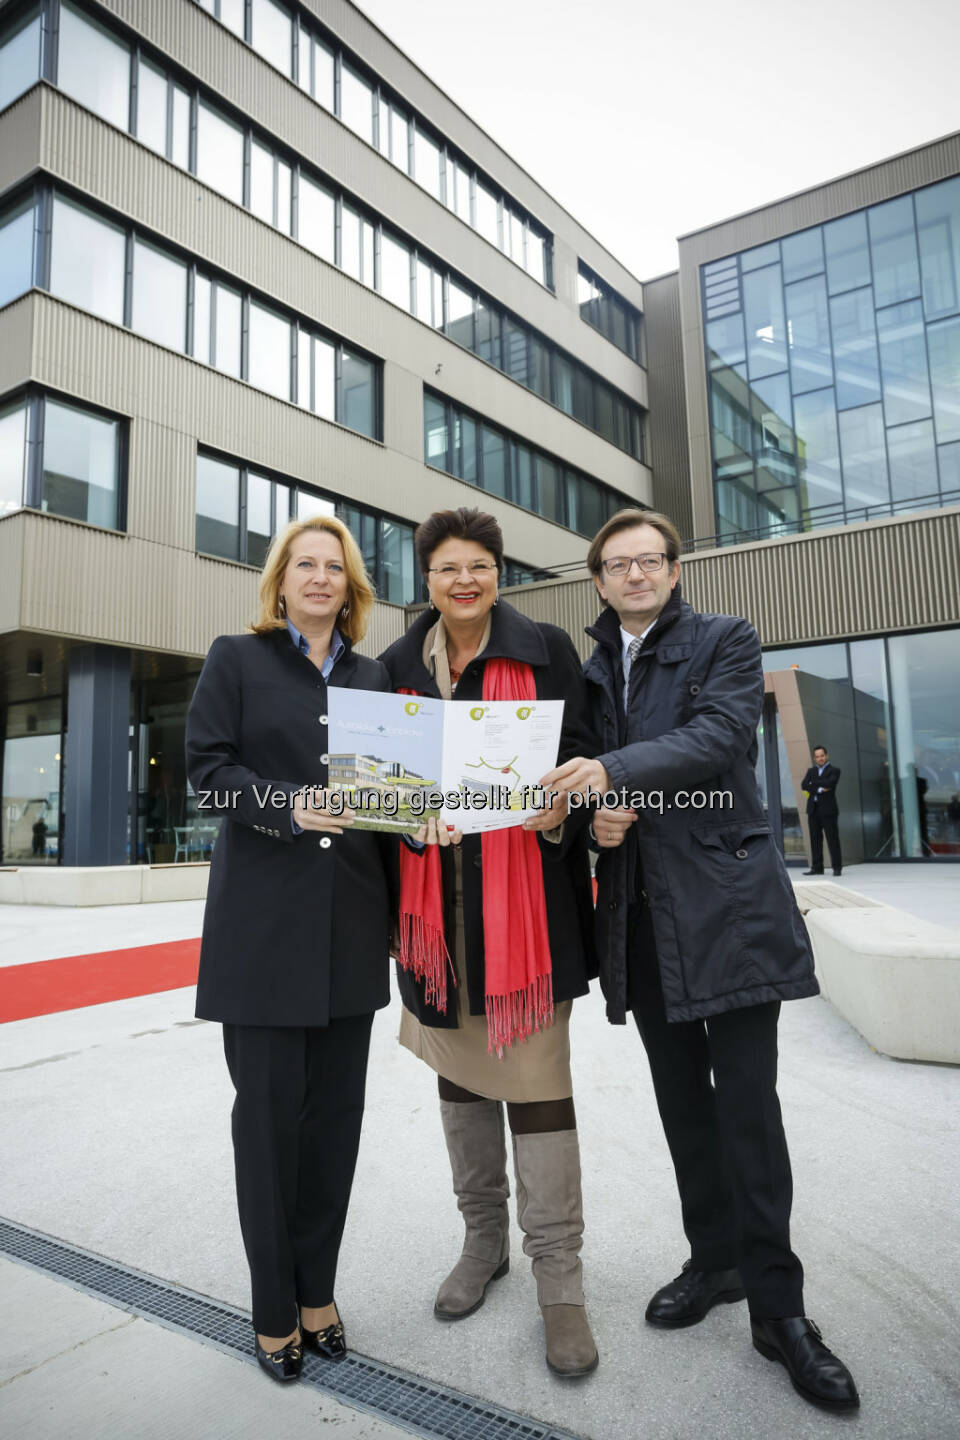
{"points": [[102, 884], [896, 978]]}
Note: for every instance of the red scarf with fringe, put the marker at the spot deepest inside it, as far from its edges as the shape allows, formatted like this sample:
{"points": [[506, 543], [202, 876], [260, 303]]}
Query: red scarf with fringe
{"points": [[518, 976]]}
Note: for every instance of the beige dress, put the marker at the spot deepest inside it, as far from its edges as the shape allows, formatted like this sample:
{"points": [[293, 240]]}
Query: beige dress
{"points": [[535, 1069]]}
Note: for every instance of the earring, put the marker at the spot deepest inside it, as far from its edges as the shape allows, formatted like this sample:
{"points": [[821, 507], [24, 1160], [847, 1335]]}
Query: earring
{"points": [[496, 598], [283, 606], [345, 611]]}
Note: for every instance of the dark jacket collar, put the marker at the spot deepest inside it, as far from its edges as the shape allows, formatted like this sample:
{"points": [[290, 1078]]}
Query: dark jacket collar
{"points": [[606, 628], [512, 636], [286, 647]]}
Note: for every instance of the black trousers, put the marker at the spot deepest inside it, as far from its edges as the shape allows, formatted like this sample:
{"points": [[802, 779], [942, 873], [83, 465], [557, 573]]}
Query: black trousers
{"points": [[296, 1132], [726, 1137], [819, 828]]}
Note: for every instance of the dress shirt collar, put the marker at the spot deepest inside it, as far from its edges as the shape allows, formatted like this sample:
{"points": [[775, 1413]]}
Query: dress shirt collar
{"points": [[626, 640], [337, 646]]}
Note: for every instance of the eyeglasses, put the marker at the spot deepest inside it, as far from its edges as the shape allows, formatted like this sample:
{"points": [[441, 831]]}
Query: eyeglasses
{"points": [[622, 564], [477, 567]]}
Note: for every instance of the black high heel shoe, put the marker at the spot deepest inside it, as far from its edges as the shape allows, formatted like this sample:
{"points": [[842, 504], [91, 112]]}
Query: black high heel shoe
{"points": [[329, 1342], [283, 1364]]}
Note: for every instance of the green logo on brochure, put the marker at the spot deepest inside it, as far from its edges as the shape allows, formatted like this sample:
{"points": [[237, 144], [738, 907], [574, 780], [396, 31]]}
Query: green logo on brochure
{"points": [[524, 712], [413, 707], [478, 712]]}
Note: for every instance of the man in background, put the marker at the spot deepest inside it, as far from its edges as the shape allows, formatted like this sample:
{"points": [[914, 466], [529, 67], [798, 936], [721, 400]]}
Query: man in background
{"points": [[820, 785]]}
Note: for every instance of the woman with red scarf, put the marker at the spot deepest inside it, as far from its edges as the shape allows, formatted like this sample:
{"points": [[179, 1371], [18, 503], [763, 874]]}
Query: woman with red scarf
{"points": [[495, 941]]}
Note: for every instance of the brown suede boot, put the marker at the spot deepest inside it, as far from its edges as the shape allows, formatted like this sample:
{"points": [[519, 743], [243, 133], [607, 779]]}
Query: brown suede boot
{"points": [[550, 1211], [478, 1160]]}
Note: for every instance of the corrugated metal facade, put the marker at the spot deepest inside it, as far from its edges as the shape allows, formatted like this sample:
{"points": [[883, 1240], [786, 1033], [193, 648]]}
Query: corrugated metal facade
{"points": [[667, 424]]}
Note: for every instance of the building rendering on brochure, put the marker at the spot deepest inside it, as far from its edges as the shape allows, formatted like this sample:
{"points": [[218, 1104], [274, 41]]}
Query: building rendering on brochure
{"points": [[254, 264]]}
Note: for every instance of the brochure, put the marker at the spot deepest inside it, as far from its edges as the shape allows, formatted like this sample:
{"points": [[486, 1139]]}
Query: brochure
{"points": [[475, 764]]}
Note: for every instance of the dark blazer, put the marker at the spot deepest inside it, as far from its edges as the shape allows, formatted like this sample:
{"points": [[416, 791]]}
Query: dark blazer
{"points": [[296, 927], [727, 928], [823, 806], [549, 651]]}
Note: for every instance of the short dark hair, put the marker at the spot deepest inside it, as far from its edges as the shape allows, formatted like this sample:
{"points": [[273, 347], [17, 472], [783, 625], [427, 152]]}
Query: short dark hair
{"points": [[625, 520], [821, 747], [460, 524]]}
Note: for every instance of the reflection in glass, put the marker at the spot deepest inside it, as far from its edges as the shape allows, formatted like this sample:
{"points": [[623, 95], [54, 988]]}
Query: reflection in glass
{"points": [[81, 464], [765, 324], [818, 456], [426, 162], [549, 488], [218, 508], [87, 261], [761, 255], [16, 250], [356, 103], [494, 460], [913, 464], [227, 330], [271, 34], [949, 457], [487, 214], [925, 690], [855, 348], [261, 181], [19, 55], [802, 255], [725, 342], [201, 318], [773, 440], [938, 226], [13, 455], [259, 518], [309, 504], [93, 66], [159, 297], [848, 255], [30, 803], [943, 343], [219, 152], [893, 244], [358, 393], [397, 580], [316, 218], [435, 437], [515, 350], [350, 241], [811, 364], [536, 256], [180, 154], [903, 363], [231, 15], [284, 196], [864, 454], [324, 377], [459, 324], [269, 364], [871, 701], [399, 139], [152, 107], [730, 417], [488, 332], [394, 271]]}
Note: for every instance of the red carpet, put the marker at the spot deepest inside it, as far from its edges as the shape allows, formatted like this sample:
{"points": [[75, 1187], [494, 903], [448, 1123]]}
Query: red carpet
{"points": [[48, 986]]}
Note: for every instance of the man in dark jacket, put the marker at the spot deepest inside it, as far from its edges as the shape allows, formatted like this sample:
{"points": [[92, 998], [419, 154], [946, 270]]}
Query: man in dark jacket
{"points": [[820, 784], [698, 931]]}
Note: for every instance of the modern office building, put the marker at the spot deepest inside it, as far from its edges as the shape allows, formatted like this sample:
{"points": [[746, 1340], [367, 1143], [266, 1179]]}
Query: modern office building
{"points": [[254, 264]]}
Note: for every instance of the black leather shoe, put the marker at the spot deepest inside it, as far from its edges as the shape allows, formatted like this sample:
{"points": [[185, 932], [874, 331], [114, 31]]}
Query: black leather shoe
{"points": [[686, 1300], [328, 1342], [283, 1364], [813, 872], [816, 1373], [838, 872]]}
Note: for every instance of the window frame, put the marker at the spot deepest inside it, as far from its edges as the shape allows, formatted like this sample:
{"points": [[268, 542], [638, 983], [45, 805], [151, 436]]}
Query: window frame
{"points": [[34, 398]]}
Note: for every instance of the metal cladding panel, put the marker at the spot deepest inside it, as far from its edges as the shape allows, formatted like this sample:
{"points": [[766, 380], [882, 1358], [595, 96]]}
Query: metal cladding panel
{"points": [[132, 180], [232, 69], [888, 576], [178, 404], [667, 425], [16, 342], [888, 178], [20, 138], [11, 570], [90, 584]]}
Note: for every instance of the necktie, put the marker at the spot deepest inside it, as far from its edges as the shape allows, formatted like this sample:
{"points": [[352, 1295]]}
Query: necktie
{"points": [[633, 650]]}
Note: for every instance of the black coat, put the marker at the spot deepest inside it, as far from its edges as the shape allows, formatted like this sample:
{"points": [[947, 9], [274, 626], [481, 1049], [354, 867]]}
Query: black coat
{"points": [[823, 806], [296, 927], [549, 651], [728, 931]]}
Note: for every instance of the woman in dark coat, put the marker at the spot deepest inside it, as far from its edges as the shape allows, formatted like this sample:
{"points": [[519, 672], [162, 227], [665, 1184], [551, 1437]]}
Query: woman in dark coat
{"points": [[524, 899], [294, 959]]}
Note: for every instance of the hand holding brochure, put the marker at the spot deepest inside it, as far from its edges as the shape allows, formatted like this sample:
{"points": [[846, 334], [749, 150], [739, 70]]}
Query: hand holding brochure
{"points": [[404, 754]]}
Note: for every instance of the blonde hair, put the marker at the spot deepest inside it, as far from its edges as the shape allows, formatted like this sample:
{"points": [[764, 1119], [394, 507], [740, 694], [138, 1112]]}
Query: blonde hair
{"points": [[360, 592]]}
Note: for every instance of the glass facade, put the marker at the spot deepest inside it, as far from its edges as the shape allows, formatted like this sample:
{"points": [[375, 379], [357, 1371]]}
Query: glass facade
{"points": [[889, 713], [30, 813], [62, 459], [833, 369], [19, 55], [608, 312], [469, 447], [239, 510]]}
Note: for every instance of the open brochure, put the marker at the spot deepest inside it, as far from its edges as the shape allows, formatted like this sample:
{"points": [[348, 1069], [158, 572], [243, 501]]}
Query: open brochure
{"points": [[400, 756]]}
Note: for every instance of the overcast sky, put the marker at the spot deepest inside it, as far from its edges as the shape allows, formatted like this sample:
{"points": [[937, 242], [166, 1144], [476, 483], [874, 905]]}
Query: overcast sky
{"points": [[647, 118]]}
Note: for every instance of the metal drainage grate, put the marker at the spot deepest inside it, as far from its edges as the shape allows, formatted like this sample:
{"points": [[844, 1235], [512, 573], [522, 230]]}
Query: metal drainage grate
{"points": [[422, 1407]]}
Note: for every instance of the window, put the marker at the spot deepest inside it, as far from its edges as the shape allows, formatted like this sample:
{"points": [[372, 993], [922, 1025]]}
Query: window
{"points": [[359, 403], [16, 250], [396, 580], [218, 508], [152, 107], [938, 227], [317, 375], [394, 271], [435, 437], [219, 152], [316, 69], [893, 245], [459, 324], [356, 245], [227, 329], [316, 219], [487, 214], [159, 296], [269, 345], [19, 55], [426, 162], [271, 34], [81, 465], [603, 309], [356, 103], [13, 455], [493, 459], [87, 260], [259, 516], [93, 67]]}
